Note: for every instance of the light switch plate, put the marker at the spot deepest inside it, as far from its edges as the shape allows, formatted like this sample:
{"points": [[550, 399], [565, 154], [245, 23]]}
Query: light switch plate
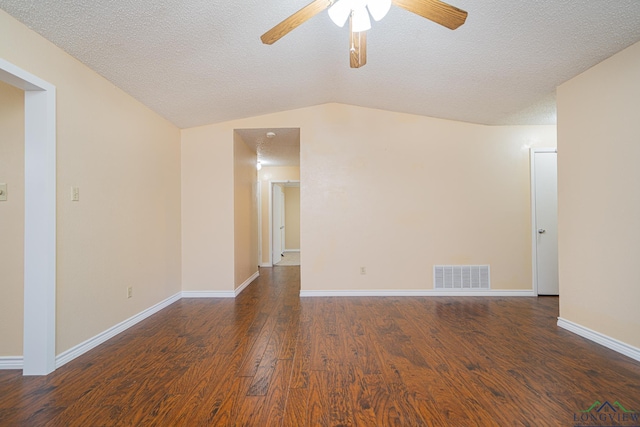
{"points": [[75, 194], [3, 192]]}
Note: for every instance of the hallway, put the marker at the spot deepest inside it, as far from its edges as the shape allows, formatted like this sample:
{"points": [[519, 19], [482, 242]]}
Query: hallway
{"points": [[269, 358], [289, 259]]}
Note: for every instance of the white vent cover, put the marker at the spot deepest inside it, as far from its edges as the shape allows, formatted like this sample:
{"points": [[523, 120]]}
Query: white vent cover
{"points": [[461, 277]]}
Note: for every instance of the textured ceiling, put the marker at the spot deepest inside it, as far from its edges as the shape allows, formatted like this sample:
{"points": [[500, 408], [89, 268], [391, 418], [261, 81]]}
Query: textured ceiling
{"points": [[281, 150], [197, 62]]}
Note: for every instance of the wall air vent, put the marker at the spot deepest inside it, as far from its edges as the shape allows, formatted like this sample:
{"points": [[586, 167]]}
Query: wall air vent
{"points": [[461, 277]]}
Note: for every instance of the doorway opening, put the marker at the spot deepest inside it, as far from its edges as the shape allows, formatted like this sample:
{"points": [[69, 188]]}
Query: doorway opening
{"points": [[278, 161], [39, 218]]}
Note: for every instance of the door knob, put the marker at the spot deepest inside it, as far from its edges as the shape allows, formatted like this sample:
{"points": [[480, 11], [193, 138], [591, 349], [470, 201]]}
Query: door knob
{"points": [[541, 230]]}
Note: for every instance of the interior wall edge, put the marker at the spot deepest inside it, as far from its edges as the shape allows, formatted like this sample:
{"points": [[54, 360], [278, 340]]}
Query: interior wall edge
{"points": [[600, 338]]}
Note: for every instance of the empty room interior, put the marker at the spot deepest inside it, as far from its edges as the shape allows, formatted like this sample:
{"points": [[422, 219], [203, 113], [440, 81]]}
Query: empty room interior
{"points": [[319, 213]]}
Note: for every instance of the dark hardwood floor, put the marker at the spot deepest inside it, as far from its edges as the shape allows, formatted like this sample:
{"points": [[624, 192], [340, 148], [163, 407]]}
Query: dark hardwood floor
{"points": [[269, 358]]}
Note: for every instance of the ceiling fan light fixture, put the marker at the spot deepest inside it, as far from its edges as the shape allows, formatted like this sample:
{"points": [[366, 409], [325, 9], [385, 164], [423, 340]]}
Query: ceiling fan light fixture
{"points": [[340, 11], [357, 13], [378, 8], [361, 21]]}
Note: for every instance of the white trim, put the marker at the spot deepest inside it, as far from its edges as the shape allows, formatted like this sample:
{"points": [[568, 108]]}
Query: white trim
{"points": [[39, 336], [599, 338], [11, 362], [91, 343], [534, 231], [221, 294], [80, 349], [266, 265], [16, 362], [208, 294], [292, 250], [418, 293], [246, 283], [270, 214], [272, 184], [16, 76], [259, 209]]}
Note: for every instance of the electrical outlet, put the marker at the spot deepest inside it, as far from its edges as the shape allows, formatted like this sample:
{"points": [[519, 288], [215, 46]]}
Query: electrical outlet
{"points": [[363, 270], [75, 194], [130, 292]]}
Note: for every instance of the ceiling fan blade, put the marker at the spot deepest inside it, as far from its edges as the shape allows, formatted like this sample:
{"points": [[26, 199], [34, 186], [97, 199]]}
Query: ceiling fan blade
{"points": [[357, 47], [436, 11], [298, 18]]}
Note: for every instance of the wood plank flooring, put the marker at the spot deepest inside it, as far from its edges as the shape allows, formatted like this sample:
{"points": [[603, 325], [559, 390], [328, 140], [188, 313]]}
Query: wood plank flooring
{"points": [[269, 358]]}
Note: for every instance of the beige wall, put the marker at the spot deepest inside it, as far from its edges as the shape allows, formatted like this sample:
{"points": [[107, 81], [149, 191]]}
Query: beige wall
{"points": [[599, 197], [398, 193], [292, 218], [125, 230], [266, 175], [207, 209], [245, 224], [11, 219]]}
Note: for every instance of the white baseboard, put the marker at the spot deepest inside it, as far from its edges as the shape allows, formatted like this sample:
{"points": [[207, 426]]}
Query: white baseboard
{"points": [[418, 293], [266, 265], [80, 349], [221, 294], [246, 283], [482, 293], [91, 343], [11, 362], [599, 338], [292, 250], [208, 294]]}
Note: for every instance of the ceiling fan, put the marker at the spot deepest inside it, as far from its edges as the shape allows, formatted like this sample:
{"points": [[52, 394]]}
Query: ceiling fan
{"points": [[357, 12]]}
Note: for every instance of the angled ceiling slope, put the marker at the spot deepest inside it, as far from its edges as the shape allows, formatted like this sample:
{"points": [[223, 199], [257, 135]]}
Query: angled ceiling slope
{"points": [[198, 62]]}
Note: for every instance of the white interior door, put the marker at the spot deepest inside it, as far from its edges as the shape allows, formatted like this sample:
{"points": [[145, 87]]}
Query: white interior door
{"points": [[277, 223], [283, 218], [545, 171]]}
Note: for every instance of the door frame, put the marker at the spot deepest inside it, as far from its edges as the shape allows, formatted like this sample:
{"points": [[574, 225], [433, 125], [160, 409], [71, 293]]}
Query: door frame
{"points": [[259, 212], [273, 208], [39, 336], [534, 231], [271, 183]]}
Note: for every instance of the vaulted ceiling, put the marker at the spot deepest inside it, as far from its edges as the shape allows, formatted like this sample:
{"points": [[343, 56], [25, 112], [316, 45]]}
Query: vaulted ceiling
{"points": [[198, 62]]}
